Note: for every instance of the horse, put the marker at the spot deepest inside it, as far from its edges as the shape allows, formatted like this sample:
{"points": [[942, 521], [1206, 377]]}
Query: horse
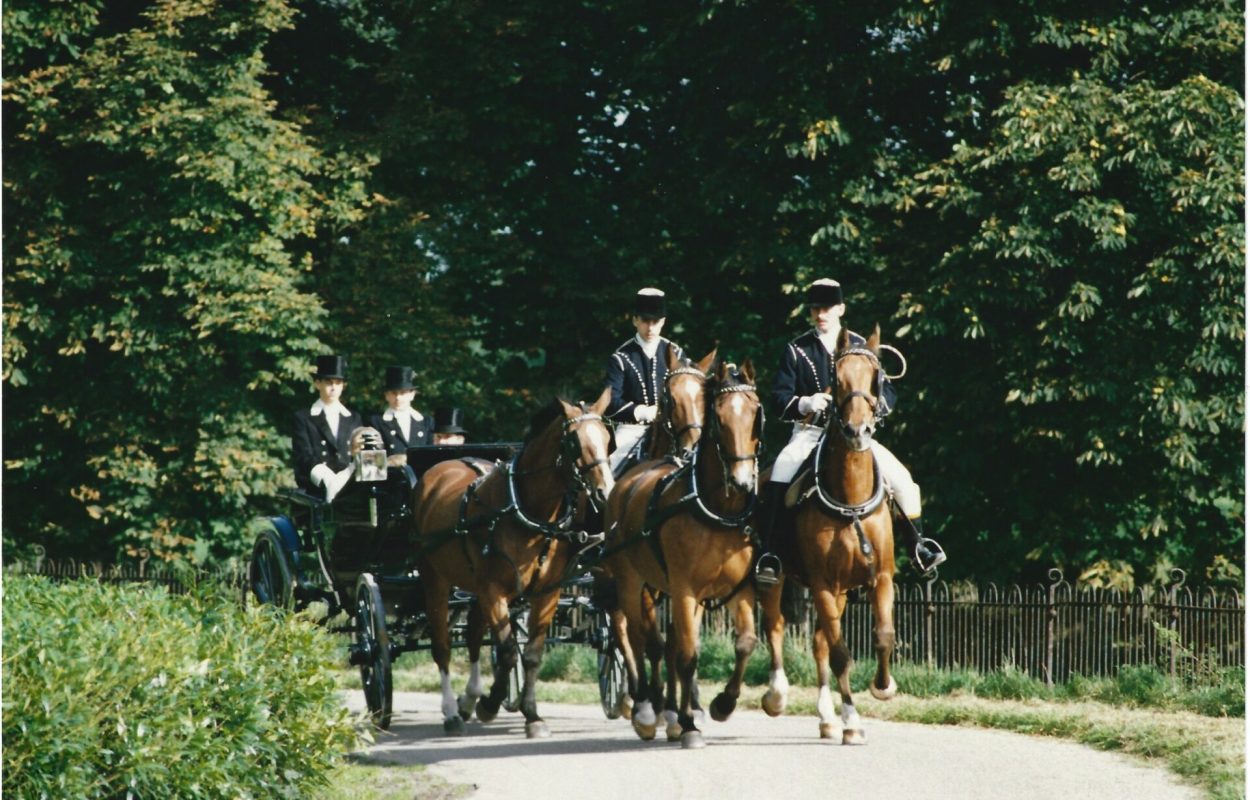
{"points": [[843, 538], [503, 534], [693, 514]]}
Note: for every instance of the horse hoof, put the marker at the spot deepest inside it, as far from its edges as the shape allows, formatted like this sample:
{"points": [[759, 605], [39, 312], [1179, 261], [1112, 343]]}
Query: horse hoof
{"points": [[773, 703], [826, 730], [673, 731], [626, 707], [537, 730], [850, 736], [723, 706], [464, 704], [886, 693], [453, 726], [692, 740], [485, 713], [645, 732]]}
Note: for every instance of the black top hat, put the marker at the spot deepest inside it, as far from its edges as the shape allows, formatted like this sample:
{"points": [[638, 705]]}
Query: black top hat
{"points": [[331, 367], [398, 379], [447, 420], [824, 293], [649, 303]]}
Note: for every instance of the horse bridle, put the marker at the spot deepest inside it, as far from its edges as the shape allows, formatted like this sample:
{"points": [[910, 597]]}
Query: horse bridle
{"points": [[879, 410], [667, 403], [727, 462], [571, 450]]}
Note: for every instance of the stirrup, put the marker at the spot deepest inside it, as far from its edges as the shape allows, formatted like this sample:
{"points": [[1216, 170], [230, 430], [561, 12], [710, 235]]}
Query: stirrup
{"points": [[768, 570], [937, 556]]}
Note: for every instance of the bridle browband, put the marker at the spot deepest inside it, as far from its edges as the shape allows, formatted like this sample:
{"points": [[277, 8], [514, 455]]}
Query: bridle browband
{"points": [[571, 452], [878, 408], [669, 403]]}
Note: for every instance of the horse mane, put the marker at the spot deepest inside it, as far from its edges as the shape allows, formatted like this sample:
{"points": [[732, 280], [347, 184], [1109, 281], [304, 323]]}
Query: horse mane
{"points": [[543, 417]]}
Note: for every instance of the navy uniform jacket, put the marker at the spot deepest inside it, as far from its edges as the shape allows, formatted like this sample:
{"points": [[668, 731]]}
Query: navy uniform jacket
{"points": [[313, 444], [807, 368], [636, 380], [419, 433]]}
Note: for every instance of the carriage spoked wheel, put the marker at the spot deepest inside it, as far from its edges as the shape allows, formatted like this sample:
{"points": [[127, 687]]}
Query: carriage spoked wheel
{"points": [[270, 574], [612, 678], [372, 650]]}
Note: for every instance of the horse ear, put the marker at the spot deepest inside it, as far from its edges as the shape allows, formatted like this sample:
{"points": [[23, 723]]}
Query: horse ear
{"points": [[748, 371], [605, 399], [874, 341], [844, 340], [722, 369], [570, 410], [673, 361], [705, 364]]}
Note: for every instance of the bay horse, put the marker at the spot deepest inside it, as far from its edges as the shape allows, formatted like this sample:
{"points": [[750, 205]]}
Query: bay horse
{"points": [[680, 528], [503, 534], [843, 538]]}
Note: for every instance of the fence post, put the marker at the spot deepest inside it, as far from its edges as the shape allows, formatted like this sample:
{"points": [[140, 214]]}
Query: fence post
{"points": [[1052, 613], [1174, 618], [930, 610]]}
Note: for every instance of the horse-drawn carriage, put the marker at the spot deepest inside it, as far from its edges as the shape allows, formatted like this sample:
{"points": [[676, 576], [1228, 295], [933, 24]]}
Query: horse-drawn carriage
{"points": [[354, 559]]}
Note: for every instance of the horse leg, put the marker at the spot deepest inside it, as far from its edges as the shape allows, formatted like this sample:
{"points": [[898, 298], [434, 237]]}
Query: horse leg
{"points": [[495, 611], [643, 715], [620, 630], [883, 686], [825, 606], [473, 640], [774, 700], [685, 632], [744, 644], [542, 609], [840, 660], [672, 726], [436, 605]]}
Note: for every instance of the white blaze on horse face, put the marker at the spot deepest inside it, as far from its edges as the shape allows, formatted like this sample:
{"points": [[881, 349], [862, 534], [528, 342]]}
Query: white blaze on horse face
{"points": [[450, 709]]}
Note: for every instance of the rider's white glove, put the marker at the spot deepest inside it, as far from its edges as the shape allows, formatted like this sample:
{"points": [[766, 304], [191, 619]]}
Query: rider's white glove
{"points": [[333, 481], [813, 402], [644, 413]]}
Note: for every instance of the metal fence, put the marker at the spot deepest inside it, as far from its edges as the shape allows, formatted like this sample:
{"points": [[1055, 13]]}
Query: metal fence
{"points": [[1050, 631]]}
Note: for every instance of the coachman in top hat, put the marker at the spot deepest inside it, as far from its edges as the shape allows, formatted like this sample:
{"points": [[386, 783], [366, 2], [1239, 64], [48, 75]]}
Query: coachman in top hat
{"points": [[401, 425], [321, 434]]}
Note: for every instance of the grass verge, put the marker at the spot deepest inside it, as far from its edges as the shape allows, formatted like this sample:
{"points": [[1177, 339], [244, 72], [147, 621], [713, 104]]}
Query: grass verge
{"points": [[363, 778]]}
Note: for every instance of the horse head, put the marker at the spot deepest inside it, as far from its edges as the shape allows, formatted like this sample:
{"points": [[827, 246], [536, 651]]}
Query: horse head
{"points": [[683, 400], [737, 419], [585, 444], [857, 396]]}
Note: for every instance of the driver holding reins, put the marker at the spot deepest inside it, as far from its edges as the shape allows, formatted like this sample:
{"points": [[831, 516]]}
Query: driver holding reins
{"points": [[799, 390], [637, 372]]}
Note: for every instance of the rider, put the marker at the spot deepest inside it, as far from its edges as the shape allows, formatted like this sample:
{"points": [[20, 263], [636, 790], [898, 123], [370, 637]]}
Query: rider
{"points": [[321, 434], [799, 389], [447, 428], [636, 374], [401, 425]]}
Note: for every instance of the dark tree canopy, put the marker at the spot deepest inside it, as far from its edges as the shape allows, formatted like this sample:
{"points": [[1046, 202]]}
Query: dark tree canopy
{"points": [[1041, 203]]}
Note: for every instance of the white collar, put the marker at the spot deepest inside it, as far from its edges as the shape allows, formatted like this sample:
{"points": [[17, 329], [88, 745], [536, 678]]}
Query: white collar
{"points": [[336, 407], [412, 413], [829, 340], [649, 349]]}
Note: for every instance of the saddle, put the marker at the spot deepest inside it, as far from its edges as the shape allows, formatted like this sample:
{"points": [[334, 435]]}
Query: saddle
{"points": [[804, 481]]}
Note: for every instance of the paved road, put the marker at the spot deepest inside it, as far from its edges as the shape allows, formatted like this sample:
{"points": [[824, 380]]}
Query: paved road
{"points": [[753, 757]]}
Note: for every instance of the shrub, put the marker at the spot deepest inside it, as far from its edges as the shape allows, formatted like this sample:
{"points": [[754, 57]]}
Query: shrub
{"points": [[131, 692]]}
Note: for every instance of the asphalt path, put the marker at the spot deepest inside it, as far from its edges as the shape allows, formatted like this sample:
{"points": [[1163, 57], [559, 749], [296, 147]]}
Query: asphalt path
{"points": [[754, 757]]}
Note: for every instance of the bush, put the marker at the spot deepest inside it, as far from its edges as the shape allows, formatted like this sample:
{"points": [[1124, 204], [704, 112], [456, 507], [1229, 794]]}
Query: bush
{"points": [[130, 692]]}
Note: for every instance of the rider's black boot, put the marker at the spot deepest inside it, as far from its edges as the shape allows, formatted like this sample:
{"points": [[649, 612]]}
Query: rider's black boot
{"points": [[925, 553], [768, 565]]}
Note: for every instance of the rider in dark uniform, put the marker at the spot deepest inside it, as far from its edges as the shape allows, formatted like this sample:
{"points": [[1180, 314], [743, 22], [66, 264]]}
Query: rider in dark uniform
{"points": [[321, 434], [799, 390], [401, 425], [636, 374], [447, 429]]}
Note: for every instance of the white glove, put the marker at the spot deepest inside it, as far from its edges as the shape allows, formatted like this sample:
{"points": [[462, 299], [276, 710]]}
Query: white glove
{"points": [[644, 413], [320, 474], [333, 481], [813, 402]]}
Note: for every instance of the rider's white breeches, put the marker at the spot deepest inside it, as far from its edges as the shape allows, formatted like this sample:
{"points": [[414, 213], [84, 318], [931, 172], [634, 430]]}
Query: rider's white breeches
{"points": [[897, 478], [627, 435]]}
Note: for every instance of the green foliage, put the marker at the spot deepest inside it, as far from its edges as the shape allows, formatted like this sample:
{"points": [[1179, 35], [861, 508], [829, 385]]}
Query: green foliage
{"points": [[116, 690], [568, 663], [159, 221]]}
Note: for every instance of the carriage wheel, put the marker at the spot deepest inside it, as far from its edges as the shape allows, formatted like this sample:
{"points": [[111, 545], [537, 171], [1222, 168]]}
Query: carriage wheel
{"points": [[270, 574], [373, 650], [613, 682]]}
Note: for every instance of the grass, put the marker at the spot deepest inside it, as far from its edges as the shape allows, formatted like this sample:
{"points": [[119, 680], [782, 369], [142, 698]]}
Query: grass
{"points": [[378, 779]]}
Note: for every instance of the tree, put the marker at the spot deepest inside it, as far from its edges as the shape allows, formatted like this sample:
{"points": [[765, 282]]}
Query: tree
{"points": [[158, 225]]}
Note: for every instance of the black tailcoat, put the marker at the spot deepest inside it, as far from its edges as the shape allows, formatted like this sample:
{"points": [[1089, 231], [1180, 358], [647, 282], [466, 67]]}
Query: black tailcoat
{"points": [[806, 369], [419, 433], [636, 380], [313, 444]]}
